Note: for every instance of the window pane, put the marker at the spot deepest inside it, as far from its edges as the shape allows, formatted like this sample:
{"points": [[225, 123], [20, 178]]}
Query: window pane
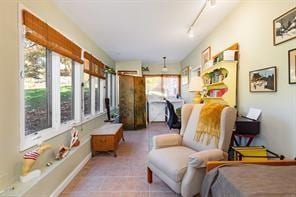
{"points": [[103, 93], [37, 88], [154, 86], [113, 90], [171, 86], [109, 87], [97, 94], [87, 94], [67, 89]]}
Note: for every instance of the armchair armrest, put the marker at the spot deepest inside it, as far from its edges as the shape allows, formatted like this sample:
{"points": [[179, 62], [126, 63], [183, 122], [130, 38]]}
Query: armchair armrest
{"points": [[200, 159], [166, 140]]}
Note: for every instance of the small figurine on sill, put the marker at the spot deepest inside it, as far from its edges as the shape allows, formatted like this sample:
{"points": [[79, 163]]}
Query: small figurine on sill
{"points": [[29, 161], [63, 152], [74, 138]]}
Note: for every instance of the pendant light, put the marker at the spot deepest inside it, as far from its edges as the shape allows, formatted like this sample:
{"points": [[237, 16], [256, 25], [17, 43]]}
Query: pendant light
{"points": [[164, 69]]}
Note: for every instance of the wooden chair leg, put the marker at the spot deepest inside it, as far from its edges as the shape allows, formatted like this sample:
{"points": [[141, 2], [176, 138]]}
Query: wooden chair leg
{"points": [[149, 175]]}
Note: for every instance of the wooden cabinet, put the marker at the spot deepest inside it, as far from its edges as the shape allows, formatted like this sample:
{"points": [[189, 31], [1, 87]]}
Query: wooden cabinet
{"points": [[132, 102], [106, 138]]}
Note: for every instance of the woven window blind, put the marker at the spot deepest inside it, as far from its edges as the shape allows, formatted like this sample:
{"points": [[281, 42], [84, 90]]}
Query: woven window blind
{"points": [[93, 66], [40, 32]]}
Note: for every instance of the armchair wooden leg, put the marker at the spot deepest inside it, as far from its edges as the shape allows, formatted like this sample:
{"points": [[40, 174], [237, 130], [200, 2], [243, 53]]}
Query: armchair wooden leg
{"points": [[149, 175]]}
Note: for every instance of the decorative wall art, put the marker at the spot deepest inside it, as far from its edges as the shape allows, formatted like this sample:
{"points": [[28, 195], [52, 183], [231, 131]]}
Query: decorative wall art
{"points": [[185, 75], [195, 71], [205, 56], [263, 80], [292, 66], [145, 69], [284, 27]]}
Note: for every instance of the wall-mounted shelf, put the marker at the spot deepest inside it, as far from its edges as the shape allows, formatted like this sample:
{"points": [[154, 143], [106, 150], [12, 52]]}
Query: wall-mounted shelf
{"points": [[220, 80]]}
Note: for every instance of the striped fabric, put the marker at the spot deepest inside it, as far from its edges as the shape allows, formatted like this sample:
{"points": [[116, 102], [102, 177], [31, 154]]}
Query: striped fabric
{"points": [[31, 155]]}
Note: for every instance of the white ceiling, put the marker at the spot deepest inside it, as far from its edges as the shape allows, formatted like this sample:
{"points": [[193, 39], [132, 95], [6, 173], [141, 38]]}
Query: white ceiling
{"points": [[145, 30]]}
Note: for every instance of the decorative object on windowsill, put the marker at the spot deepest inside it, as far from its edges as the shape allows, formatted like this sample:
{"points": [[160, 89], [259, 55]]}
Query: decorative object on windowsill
{"points": [[263, 80], [145, 69], [109, 70], [164, 68], [205, 57], [29, 161], [196, 85], [63, 152], [185, 75], [74, 138], [292, 66], [284, 27]]}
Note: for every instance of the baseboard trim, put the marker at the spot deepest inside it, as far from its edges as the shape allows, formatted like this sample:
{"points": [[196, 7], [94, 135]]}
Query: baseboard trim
{"points": [[70, 177]]}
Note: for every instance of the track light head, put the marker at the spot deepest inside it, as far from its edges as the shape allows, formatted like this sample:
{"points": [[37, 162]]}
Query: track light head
{"points": [[191, 33], [212, 3]]}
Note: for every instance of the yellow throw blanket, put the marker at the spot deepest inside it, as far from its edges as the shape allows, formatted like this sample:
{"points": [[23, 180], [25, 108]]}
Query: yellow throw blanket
{"points": [[209, 123]]}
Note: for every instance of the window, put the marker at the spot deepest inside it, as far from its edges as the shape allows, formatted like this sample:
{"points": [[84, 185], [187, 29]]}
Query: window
{"points": [[66, 89], [87, 93], [162, 85], [154, 85], [37, 88], [113, 90], [171, 86], [97, 95], [103, 95]]}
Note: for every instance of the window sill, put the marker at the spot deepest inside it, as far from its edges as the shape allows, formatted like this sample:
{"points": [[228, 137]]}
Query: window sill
{"points": [[90, 118], [22, 188], [47, 134]]}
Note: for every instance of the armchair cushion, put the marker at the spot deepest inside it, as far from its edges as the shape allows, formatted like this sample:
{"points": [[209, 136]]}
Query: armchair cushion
{"points": [[200, 159], [166, 140], [172, 161]]}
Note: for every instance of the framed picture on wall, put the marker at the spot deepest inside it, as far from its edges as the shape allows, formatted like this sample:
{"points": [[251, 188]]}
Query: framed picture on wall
{"points": [[205, 56], [263, 80], [195, 71], [185, 75], [292, 66], [284, 27]]}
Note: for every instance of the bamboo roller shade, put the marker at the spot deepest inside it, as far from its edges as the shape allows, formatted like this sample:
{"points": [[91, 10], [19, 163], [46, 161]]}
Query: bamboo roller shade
{"points": [[41, 33], [93, 66]]}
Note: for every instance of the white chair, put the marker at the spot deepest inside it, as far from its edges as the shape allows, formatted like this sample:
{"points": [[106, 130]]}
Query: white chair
{"points": [[179, 160]]}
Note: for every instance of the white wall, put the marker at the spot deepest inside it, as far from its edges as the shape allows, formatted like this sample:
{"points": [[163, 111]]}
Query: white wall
{"points": [[157, 69], [251, 26], [134, 65]]}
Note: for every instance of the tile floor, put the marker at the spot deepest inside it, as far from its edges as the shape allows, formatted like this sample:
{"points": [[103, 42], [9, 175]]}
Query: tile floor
{"points": [[125, 175]]}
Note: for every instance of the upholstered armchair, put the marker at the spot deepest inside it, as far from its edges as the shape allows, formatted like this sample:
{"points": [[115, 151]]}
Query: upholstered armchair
{"points": [[180, 160]]}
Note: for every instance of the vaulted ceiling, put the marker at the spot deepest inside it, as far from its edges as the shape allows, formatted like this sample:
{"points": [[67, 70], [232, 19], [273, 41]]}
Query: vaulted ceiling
{"points": [[145, 29]]}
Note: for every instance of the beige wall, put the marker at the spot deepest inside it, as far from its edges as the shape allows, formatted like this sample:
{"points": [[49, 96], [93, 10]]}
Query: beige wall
{"points": [[250, 24], [157, 69], [10, 156]]}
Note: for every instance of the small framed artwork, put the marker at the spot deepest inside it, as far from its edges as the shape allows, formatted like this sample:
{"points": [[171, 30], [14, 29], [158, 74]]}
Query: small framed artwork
{"points": [[185, 75], [292, 66], [205, 56], [263, 80], [195, 71], [284, 27]]}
